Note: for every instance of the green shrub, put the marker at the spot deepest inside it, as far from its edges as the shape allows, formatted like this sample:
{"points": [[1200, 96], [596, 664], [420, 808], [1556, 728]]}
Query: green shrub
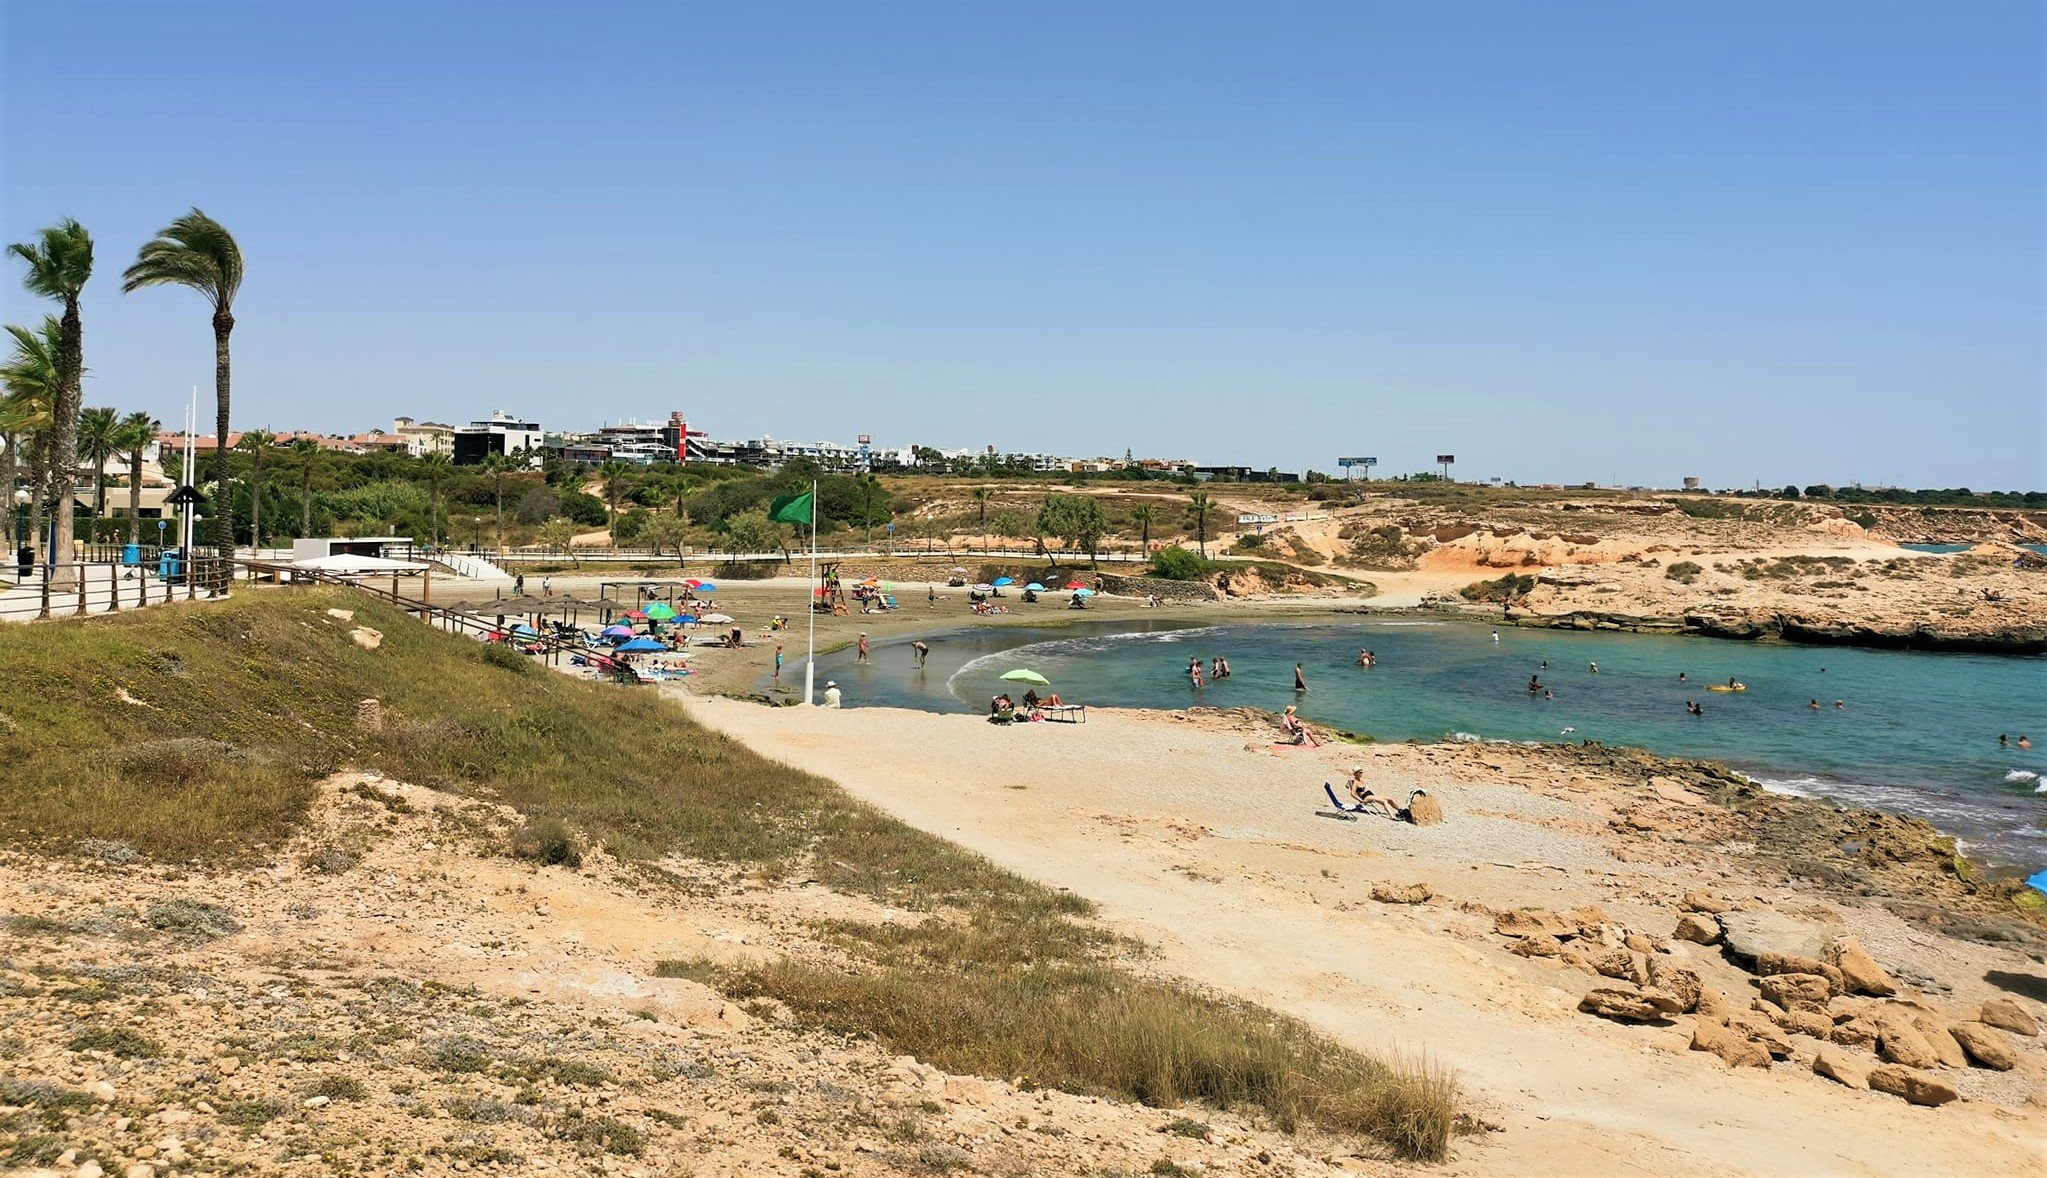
{"points": [[1684, 572], [1506, 588], [506, 658], [1175, 563], [548, 842]]}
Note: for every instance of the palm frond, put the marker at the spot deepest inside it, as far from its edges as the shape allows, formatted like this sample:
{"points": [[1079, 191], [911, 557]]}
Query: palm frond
{"points": [[59, 260], [194, 251]]}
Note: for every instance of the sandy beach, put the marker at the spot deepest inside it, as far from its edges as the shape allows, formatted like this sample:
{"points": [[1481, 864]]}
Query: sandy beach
{"points": [[1197, 836]]}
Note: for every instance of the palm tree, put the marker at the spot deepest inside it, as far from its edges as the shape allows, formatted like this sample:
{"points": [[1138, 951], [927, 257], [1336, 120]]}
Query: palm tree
{"points": [[436, 464], [307, 451], [1141, 516], [99, 437], [496, 466], [981, 496], [30, 378], [198, 252], [258, 443], [59, 265], [132, 437], [611, 476], [1198, 505]]}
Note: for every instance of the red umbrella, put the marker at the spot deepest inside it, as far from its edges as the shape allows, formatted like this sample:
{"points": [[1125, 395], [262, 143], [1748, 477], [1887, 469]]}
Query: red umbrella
{"points": [[638, 614], [1075, 585]]}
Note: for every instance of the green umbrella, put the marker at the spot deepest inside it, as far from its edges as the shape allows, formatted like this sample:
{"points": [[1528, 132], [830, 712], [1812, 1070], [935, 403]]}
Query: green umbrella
{"points": [[661, 611], [1022, 676]]}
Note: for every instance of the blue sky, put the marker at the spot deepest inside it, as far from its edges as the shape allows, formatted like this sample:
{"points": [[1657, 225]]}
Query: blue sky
{"points": [[1786, 241]]}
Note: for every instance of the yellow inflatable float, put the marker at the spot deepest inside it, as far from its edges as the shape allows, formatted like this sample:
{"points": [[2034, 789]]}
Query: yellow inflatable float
{"points": [[1728, 687]]}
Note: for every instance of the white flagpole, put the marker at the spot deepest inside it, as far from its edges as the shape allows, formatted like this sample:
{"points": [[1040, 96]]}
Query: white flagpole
{"points": [[810, 606]]}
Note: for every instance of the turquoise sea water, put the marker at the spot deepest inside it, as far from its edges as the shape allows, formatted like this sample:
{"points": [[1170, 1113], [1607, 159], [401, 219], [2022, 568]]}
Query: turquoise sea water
{"points": [[1945, 548], [1917, 733]]}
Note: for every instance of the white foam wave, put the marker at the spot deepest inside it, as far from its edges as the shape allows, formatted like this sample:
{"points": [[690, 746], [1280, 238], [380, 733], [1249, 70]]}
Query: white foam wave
{"points": [[2022, 775]]}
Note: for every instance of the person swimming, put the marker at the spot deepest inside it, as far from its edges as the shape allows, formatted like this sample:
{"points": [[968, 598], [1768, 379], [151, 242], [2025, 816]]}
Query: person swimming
{"points": [[1534, 684], [1692, 708], [1814, 705], [1683, 678], [1548, 694], [1839, 706], [2023, 742], [2003, 741], [1593, 668]]}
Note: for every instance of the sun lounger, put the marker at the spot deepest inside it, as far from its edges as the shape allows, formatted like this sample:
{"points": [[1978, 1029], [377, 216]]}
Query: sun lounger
{"points": [[1064, 713], [1338, 802]]}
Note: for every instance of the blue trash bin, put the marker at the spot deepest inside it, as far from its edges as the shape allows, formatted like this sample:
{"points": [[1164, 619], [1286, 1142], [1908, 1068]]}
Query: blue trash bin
{"points": [[131, 554]]}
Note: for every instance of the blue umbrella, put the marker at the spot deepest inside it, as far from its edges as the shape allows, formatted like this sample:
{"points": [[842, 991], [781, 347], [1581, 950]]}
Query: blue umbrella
{"points": [[707, 587], [1035, 587], [999, 582], [1083, 593], [641, 644], [686, 619], [523, 628]]}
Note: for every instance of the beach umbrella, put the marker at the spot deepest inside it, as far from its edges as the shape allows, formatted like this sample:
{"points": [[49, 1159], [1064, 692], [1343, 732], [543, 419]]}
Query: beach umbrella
{"points": [[692, 582], [1034, 587], [706, 587], [685, 619], [523, 630], [1075, 585], [716, 619], [1083, 593], [637, 614], [660, 611], [617, 632], [1031, 677], [641, 644], [999, 582], [984, 587], [959, 568]]}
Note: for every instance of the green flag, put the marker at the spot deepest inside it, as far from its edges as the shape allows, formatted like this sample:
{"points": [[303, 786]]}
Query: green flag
{"points": [[793, 509]]}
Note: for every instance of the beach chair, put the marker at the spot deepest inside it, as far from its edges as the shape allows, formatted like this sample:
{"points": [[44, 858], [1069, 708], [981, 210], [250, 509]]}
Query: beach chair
{"points": [[1064, 713]]}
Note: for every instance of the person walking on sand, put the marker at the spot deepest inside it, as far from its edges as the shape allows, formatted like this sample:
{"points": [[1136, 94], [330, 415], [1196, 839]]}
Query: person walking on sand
{"points": [[931, 595], [1300, 679], [778, 662], [863, 647], [519, 585], [547, 586], [922, 652]]}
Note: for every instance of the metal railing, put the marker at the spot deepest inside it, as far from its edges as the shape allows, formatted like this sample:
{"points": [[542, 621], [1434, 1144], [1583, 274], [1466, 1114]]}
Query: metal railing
{"points": [[77, 589]]}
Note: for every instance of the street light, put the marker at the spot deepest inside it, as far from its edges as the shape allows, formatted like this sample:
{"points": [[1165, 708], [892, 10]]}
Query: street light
{"points": [[475, 533], [21, 498]]}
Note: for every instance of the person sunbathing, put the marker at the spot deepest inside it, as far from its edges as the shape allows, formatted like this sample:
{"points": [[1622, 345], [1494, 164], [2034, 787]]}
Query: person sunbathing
{"points": [[1296, 732], [1364, 801]]}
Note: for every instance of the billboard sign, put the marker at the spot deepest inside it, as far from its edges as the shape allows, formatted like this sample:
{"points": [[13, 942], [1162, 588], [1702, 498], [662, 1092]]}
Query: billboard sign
{"points": [[1350, 462], [1248, 518], [1445, 459]]}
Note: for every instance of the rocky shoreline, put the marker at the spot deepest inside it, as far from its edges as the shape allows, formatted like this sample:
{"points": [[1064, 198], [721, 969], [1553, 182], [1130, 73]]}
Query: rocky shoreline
{"points": [[1751, 627]]}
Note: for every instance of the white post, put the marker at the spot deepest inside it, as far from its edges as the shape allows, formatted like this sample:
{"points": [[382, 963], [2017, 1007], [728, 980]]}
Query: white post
{"points": [[810, 607]]}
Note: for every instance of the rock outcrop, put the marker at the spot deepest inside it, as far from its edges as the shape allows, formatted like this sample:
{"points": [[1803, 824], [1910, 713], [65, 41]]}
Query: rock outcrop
{"points": [[1915, 1086]]}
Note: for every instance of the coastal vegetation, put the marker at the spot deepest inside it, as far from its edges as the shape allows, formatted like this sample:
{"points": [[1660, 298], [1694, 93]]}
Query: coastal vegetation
{"points": [[200, 736]]}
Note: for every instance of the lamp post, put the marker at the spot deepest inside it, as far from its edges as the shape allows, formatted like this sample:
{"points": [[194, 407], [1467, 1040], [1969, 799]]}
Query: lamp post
{"points": [[21, 498], [475, 533]]}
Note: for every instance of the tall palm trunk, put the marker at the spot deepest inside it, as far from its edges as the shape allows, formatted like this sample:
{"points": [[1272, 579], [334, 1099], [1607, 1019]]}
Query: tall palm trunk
{"points": [[64, 431], [224, 517], [12, 440], [39, 490], [134, 495]]}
